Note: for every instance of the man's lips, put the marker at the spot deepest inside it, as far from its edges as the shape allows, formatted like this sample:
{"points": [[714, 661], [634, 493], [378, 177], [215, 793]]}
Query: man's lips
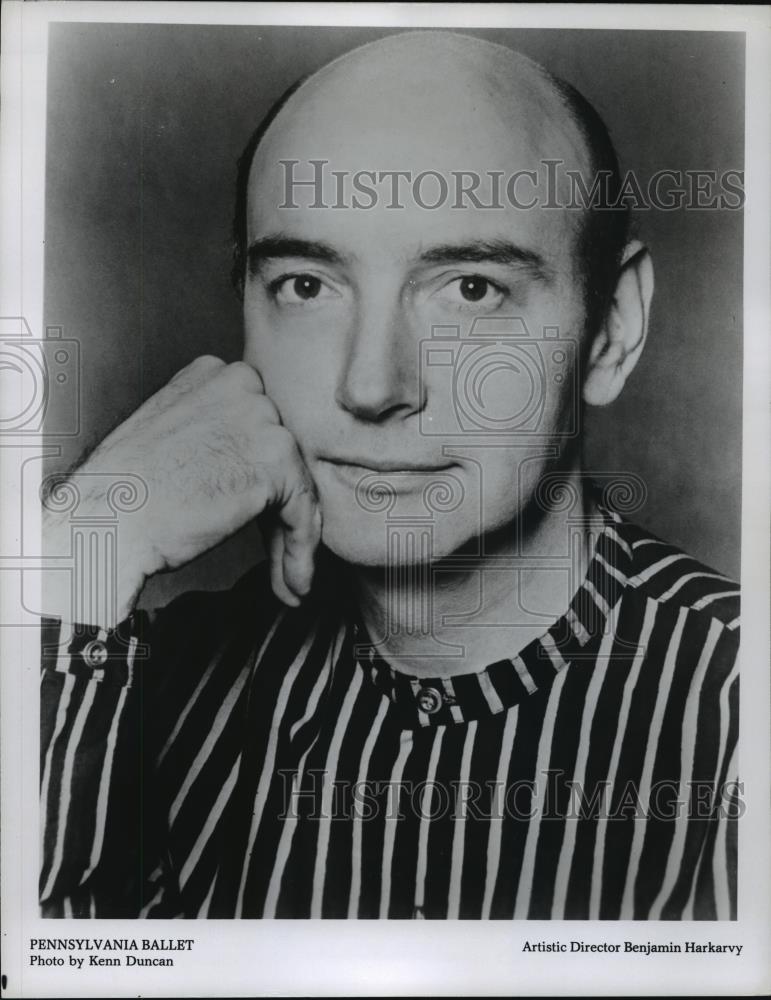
{"points": [[363, 466]]}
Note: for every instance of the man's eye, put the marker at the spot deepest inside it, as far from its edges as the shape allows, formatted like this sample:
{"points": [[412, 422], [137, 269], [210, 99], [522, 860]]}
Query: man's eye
{"points": [[473, 289], [295, 289]]}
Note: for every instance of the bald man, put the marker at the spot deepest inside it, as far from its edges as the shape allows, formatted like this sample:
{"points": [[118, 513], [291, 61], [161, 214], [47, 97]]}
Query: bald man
{"points": [[462, 685]]}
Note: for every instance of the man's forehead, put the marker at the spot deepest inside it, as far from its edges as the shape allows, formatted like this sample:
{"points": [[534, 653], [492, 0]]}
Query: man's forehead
{"points": [[434, 95], [432, 103]]}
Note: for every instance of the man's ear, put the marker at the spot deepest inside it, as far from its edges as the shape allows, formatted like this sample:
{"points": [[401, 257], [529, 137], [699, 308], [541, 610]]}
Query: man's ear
{"points": [[618, 344]]}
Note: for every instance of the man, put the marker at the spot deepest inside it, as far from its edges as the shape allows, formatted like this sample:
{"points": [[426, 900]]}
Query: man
{"points": [[464, 687]]}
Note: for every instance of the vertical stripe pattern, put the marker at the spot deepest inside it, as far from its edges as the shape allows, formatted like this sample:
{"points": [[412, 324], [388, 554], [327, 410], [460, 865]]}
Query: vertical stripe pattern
{"points": [[266, 767]]}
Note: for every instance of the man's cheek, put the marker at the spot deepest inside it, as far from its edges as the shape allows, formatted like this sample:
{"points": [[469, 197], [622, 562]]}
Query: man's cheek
{"points": [[295, 385]]}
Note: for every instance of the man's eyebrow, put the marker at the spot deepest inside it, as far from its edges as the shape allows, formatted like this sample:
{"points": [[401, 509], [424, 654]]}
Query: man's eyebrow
{"points": [[278, 246], [489, 252], [498, 251]]}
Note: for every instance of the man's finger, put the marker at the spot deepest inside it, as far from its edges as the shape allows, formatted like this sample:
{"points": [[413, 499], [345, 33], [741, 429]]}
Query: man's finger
{"points": [[275, 543], [301, 519]]}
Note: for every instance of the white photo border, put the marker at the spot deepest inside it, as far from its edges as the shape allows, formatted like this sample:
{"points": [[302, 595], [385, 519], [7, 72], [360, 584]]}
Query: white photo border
{"points": [[314, 958]]}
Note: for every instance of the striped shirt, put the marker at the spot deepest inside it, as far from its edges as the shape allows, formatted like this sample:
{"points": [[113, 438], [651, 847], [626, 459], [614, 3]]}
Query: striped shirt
{"points": [[235, 758]]}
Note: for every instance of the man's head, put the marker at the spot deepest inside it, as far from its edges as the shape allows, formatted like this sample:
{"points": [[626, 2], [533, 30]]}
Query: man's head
{"points": [[354, 292]]}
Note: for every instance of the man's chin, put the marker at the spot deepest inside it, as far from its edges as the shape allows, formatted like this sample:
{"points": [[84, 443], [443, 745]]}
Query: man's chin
{"points": [[382, 544], [404, 526]]}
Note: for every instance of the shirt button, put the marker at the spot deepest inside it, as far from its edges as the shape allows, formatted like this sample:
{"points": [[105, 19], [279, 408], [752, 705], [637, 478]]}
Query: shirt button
{"points": [[95, 653], [429, 700]]}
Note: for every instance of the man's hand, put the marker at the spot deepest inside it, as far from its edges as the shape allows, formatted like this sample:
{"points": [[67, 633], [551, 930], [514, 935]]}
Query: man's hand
{"points": [[213, 454]]}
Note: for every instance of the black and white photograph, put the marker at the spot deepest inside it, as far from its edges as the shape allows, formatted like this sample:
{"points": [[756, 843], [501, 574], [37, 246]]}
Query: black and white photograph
{"points": [[382, 486]]}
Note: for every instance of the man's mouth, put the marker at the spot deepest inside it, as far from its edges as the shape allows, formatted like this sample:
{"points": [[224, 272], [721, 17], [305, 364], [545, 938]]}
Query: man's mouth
{"points": [[384, 466]]}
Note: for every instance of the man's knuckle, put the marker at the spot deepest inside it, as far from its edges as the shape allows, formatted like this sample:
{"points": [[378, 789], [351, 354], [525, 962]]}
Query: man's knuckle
{"points": [[281, 444], [242, 376], [192, 372], [265, 410], [206, 362]]}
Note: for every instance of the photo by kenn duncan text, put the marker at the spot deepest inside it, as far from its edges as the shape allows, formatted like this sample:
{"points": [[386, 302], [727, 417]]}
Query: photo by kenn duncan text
{"points": [[466, 680]]}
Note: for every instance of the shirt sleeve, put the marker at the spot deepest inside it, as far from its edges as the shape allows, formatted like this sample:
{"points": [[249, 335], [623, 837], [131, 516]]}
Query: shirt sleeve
{"points": [[101, 851]]}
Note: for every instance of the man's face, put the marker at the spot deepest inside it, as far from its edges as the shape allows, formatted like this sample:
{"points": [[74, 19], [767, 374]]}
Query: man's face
{"points": [[397, 425]]}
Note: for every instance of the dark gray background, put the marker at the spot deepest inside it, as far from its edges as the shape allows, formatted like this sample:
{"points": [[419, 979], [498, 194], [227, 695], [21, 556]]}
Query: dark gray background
{"points": [[144, 127]]}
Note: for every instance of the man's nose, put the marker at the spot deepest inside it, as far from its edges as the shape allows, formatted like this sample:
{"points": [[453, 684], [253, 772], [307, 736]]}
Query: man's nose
{"points": [[380, 377]]}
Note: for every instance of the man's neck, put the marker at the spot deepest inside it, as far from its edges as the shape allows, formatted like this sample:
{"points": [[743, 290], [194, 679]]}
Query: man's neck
{"points": [[462, 613]]}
